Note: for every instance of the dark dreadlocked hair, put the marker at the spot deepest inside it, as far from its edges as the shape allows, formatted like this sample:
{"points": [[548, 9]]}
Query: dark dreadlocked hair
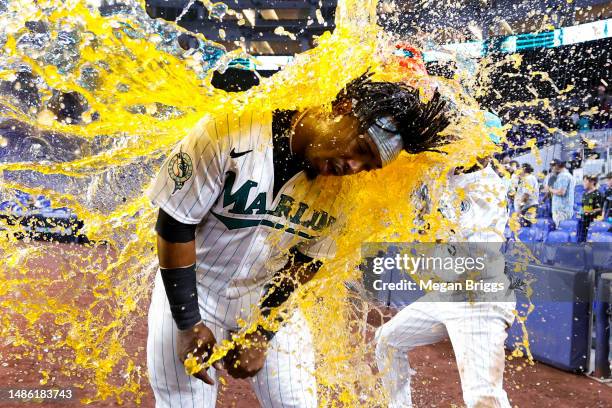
{"points": [[418, 123]]}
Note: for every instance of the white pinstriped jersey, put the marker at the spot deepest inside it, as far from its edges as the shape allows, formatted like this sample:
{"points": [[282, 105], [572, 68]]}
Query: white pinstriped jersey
{"points": [[476, 202], [222, 178]]}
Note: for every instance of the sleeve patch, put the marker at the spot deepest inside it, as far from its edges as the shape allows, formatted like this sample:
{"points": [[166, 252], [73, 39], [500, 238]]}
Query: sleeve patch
{"points": [[180, 169]]}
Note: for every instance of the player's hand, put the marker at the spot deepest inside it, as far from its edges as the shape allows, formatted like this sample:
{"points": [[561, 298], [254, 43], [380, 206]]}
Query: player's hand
{"points": [[245, 360], [197, 343]]}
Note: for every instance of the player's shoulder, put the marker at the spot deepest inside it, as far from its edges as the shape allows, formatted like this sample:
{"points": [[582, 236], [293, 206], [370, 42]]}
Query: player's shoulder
{"points": [[238, 129]]}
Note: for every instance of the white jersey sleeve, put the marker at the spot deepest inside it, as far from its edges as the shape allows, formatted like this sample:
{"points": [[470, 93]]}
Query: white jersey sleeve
{"points": [[190, 180]]}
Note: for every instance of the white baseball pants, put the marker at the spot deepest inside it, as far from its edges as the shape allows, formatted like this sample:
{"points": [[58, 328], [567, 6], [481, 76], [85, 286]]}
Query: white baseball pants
{"points": [[286, 380], [477, 332]]}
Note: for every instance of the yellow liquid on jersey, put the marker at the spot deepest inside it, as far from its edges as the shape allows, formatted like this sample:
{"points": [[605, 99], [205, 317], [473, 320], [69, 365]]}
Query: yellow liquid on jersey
{"points": [[80, 316]]}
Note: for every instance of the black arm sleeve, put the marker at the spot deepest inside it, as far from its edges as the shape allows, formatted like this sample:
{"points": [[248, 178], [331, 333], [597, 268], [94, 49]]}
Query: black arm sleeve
{"points": [[180, 283], [281, 287], [182, 293], [172, 230]]}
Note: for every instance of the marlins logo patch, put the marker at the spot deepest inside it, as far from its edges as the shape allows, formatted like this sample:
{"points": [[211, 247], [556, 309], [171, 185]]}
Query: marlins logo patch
{"points": [[180, 169]]}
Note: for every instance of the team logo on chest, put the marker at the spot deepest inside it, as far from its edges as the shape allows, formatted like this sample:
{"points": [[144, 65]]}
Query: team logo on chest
{"points": [[180, 169], [253, 213]]}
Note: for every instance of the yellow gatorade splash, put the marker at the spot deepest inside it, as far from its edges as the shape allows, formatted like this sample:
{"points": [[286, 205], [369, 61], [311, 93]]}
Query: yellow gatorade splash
{"points": [[74, 309]]}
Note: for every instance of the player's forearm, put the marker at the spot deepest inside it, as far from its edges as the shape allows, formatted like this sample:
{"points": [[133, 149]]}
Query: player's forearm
{"points": [[558, 192], [298, 270], [176, 253], [283, 285]]}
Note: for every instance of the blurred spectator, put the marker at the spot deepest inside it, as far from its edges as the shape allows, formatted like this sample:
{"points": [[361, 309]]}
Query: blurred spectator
{"points": [[526, 199], [543, 175], [607, 211], [549, 180], [592, 203], [575, 161], [602, 101], [505, 161], [512, 168], [562, 193]]}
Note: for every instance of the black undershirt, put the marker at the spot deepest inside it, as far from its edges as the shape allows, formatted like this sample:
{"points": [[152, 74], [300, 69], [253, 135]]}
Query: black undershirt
{"points": [[286, 165]]}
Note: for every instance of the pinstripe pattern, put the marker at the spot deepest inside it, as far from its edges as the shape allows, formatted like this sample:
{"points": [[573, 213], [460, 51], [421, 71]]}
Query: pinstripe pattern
{"points": [[286, 379], [279, 384], [177, 389], [233, 264], [477, 330]]}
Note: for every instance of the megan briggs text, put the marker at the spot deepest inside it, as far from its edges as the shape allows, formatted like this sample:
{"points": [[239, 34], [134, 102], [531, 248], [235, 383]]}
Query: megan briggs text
{"points": [[467, 285]]}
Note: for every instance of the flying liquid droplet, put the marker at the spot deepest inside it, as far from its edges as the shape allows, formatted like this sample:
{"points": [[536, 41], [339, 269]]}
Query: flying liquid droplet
{"points": [[217, 11]]}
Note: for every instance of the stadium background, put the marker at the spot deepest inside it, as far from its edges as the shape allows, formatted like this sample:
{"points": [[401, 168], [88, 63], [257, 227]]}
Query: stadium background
{"points": [[571, 45]]}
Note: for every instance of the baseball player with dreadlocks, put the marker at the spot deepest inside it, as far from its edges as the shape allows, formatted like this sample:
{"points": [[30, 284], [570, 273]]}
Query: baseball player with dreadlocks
{"points": [[244, 204]]}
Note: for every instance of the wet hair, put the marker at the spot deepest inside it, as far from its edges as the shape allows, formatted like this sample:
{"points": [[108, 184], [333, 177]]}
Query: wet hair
{"points": [[418, 123]]}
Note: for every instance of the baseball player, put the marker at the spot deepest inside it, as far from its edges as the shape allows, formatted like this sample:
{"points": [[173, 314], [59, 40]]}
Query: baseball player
{"points": [[477, 330], [244, 202]]}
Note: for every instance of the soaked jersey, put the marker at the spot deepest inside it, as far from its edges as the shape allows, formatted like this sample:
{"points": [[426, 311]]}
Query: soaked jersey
{"points": [[476, 202], [476, 205], [236, 178]]}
